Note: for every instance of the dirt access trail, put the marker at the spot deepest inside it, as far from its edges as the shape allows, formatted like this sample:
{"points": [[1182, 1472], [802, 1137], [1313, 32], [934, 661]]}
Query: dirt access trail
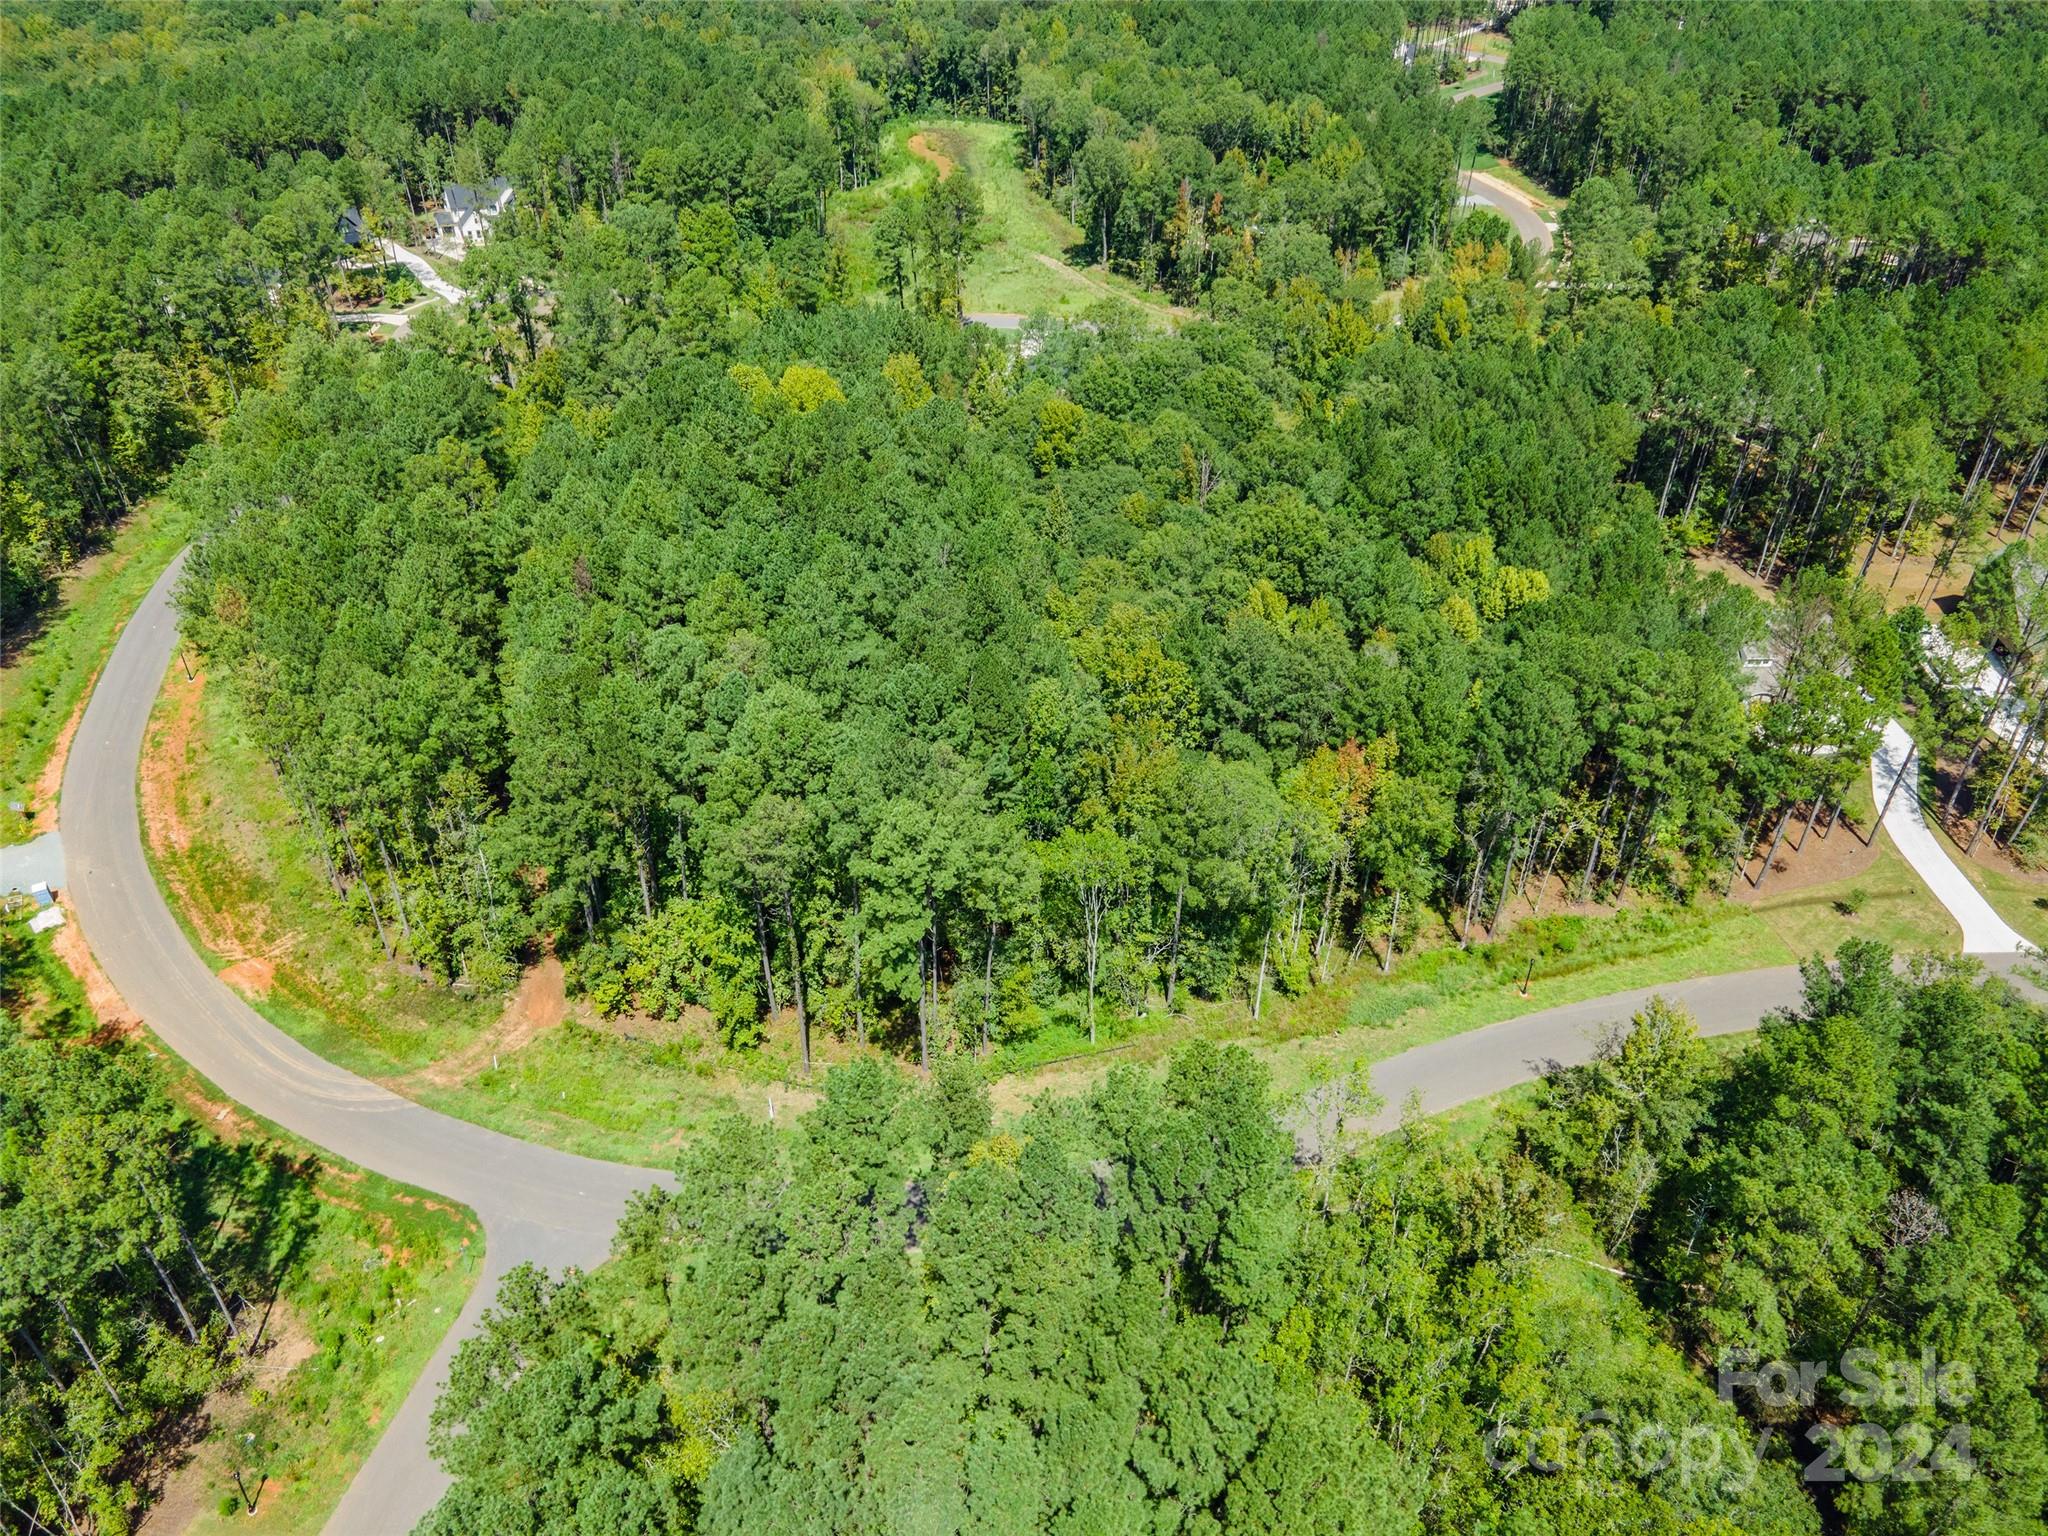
{"points": [[921, 145]]}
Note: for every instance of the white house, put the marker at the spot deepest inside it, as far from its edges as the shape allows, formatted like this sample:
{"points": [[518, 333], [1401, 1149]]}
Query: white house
{"points": [[466, 214]]}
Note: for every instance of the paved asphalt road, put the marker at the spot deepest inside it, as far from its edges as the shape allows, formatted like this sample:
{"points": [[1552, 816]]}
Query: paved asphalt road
{"points": [[1484, 191], [536, 1204]]}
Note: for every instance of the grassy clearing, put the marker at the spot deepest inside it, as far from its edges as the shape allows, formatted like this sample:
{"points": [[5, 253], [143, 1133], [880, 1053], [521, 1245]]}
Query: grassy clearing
{"points": [[43, 677], [1887, 902], [1024, 264], [370, 1277]]}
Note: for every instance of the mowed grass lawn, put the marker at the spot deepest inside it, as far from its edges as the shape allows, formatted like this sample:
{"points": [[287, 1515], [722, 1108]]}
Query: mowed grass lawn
{"points": [[2018, 897], [48, 666], [1023, 266]]}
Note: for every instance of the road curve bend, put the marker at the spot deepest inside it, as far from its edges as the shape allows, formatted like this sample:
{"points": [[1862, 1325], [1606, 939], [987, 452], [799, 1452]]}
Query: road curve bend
{"points": [[535, 1204]]}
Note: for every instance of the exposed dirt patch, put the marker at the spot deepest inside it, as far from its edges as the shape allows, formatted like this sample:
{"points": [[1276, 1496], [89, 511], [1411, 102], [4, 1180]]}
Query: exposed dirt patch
{"points": [[921, 145], [1829, 853], [165, 752], [253, 977], [539, 1004], [42, 795], [189, 1476], [68, 944], [1708, 563], [242, 934]]}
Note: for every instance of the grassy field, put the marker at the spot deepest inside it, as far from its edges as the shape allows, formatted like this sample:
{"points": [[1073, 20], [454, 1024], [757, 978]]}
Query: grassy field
{"points": [[1024, 264], [44, 674], [372, 1275]]}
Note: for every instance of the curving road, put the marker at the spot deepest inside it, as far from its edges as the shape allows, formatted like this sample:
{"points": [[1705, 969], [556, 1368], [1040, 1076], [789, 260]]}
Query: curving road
{"points": [[535, 1204], [1512, 204]]}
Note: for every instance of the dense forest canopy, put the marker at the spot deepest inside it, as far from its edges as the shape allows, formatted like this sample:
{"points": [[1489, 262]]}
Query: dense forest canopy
{"points": [[698, 598], [1133, 1313], [720, 608]]}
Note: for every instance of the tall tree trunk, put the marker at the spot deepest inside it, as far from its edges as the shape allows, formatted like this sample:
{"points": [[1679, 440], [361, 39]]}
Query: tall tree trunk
{"points": [[988, 984], [860, 1021], [1507, 883], [370, 899], [397, 895], [796, 978], [171, 1291], [1259, 992], [207, 1275], [761, 941], [1393, 927], [2039, 789], [928, 994], [2019, 751], [1173, 948], [1783, 822], [91, 1358], [1323, 924]]}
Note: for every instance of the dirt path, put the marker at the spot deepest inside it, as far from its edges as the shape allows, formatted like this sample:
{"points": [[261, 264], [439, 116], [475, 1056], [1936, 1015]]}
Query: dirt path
{"points": [[921, 146], [540, 1004], [1095, 285]]}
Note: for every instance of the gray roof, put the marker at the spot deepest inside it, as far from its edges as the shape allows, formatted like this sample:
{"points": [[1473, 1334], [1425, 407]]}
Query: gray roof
{"points": [[458, 198]]}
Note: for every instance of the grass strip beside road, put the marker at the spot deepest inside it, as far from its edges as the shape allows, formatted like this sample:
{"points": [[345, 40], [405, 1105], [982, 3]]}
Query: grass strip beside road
{"points": [[50, 665]]}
